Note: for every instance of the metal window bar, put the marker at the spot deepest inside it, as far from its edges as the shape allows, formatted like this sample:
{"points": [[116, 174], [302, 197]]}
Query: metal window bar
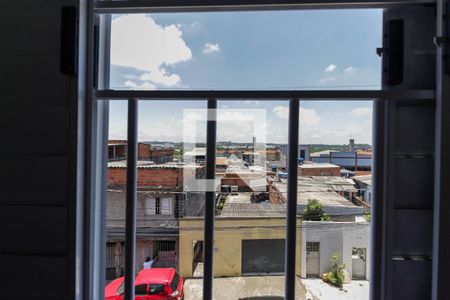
{"points": [[147, 6], [211, 132], [268, 95], [291, 222], [130, 233]]}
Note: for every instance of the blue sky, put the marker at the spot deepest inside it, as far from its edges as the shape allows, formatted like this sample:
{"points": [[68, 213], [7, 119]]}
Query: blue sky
{"points": [[249, 50]]}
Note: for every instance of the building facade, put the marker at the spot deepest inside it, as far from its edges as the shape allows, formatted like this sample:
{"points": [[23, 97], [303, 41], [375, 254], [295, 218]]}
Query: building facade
{"points": [[350, 240], [161, 202]]}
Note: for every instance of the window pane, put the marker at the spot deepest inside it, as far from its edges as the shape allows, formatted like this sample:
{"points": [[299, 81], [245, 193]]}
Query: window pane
{"points": [[156, 289], [275, 50], [140, 289]]}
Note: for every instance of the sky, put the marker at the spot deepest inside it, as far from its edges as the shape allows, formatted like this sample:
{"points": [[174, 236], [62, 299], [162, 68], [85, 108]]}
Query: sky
{"points": [[278, 50]]}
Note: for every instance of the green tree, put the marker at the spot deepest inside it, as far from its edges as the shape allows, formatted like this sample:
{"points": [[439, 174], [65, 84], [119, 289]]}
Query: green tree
{"points": [[314, 211]]}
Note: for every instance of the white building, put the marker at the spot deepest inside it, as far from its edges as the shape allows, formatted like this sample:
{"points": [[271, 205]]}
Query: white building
{"points": [[320, 240]]}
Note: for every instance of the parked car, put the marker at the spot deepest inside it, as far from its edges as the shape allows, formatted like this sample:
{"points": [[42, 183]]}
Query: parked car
{"points": [[150, 284]]}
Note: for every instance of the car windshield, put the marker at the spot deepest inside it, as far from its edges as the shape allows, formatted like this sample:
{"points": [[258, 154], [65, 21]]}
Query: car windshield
{"points": [[156, 289]]}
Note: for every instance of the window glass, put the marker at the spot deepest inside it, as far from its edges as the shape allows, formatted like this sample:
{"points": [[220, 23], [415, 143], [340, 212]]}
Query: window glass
{"points": [[156, 289], [175, 282], [140, 289]]}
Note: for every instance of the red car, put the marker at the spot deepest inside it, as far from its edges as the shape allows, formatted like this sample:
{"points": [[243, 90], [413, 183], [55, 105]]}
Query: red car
{"points": [[150, 284]]}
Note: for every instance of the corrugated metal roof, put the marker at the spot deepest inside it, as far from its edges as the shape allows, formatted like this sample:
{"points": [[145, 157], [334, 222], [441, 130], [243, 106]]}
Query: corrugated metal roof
{"points": [[253, 210], [326, 190], [317, 166], [366, 179]]}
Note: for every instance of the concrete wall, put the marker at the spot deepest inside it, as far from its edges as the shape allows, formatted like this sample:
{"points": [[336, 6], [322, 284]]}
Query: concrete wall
{"points": [[229, 233], [334, 237]]}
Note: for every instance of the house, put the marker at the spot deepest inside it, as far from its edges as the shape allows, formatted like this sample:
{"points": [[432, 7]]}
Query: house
{"points": [[117, 150], [333, 192], [221, 164], [161, 202], [354, 161], [350, 240], [244, 179], [364, 184], [318, 169], [197, 155], [244, 245]]}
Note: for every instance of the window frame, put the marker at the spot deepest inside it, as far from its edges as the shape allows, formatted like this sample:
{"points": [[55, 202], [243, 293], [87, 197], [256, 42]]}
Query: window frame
{"points": [[97, 96]]}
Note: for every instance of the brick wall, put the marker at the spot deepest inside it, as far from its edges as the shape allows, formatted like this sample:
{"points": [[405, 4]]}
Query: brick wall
{"points": [[167, 178], [329, 171], [143, 151]]}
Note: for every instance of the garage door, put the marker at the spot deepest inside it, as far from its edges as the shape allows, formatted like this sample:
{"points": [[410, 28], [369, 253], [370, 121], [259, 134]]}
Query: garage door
{"points": [[312, 259], [262, 256]]}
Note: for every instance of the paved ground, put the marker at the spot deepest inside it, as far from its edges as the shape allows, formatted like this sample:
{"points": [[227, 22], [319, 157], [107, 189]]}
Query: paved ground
{"points": [[356, 290], [244, 288]]}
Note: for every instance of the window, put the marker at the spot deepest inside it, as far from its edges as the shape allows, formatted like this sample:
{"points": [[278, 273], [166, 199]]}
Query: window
{"points": [[159, 206], [164, 205], [140, 290], [156, 289], [312, 246], [166, 208]]}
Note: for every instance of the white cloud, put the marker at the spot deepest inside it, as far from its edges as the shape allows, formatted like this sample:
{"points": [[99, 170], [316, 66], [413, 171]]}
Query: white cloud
{"points": [[211, 48], [308, 116], [281, 111], [351, 69], [327, 79], [361, 112], [138, 42], [144, 86], [160, 76], [330, 68]]}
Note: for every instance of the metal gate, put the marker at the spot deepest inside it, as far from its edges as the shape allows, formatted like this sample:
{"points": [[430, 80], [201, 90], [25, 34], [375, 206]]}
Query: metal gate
{"points": [[359, 263], [312, 259], [263, 256]]}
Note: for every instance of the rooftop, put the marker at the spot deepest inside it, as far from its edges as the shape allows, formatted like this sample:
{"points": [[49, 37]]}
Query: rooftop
{"points": [[197, 151], [146, 164], [318, 166], [253, 210], [326, 190], [366, 179]]}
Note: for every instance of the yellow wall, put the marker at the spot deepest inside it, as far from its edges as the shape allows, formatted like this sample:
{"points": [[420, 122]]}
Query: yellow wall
{"points": [[229, 233]]}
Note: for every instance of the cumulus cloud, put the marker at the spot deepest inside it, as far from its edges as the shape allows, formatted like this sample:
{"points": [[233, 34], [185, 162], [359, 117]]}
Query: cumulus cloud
{"points": [[308, 116], [330, 68], [211, 48], [351, 69], [160, 76], [361, 112], [143, 86], [138, 42]]}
